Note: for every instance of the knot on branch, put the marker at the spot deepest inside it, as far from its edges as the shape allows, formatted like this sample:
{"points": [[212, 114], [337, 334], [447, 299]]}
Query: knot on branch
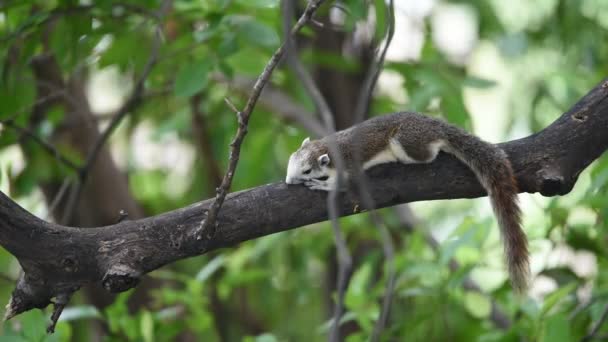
{"points": [[70, 264], [120, 278], [553, 183]]}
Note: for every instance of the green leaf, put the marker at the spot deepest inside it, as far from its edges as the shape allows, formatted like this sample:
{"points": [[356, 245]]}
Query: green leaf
{"points": [[128, 49], [357, 295], [34, 325], [258, 33], [477, 82], [259, 3], [192, 78], [556, 297], [557, 328], [79, 312], [210, 268], [266, 338], [381, 18], [477, 304], [147, 326], [228, 46]]}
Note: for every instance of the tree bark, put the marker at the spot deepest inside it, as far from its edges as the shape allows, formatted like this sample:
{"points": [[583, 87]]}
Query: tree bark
{"points": [[57, 260]]}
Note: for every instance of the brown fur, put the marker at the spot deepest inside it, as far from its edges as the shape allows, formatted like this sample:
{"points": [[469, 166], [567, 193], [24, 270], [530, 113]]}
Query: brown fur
{"points": [[415, 133]]}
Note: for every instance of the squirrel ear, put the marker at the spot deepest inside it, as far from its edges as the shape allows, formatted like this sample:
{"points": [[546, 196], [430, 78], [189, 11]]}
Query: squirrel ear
{"points": [[324, 160], [305, 141]]}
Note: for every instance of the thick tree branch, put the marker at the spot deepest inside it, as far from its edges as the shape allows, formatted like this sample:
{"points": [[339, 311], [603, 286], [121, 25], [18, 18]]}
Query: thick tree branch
{"points": [[57, 260]]}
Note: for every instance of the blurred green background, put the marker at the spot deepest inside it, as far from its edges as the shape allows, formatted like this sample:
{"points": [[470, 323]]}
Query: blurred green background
{"points": [[502, 69]]}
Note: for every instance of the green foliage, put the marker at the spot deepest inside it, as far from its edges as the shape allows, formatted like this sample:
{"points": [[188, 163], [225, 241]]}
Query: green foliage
{"points": [[282, 287]]}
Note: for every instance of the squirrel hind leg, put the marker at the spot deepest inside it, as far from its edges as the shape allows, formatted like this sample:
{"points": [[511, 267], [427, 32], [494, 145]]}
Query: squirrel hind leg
{"points": [[420, 152]]}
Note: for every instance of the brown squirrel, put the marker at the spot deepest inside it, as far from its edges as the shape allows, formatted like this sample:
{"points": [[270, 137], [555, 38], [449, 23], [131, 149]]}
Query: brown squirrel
{"points": [[415, 138]]}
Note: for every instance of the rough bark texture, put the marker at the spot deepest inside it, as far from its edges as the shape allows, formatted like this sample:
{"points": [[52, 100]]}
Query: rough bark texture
{"points": [[57, 260]]}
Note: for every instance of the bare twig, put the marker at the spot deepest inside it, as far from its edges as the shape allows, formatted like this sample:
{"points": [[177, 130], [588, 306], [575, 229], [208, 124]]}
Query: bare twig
{"points": [[344, 256], [129, 105], [291, 54], [345, 263], [596, 326], [367, 90], [60, 302], [584, 306], [243, 119], [388, 247], [135, 97], [326, 114]]}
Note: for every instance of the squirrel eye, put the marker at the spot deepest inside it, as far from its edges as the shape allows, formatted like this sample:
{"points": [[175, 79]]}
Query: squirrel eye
{"points": [[306, 172]]}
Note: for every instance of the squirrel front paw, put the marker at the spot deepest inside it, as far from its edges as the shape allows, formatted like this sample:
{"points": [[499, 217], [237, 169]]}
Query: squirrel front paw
{"points": [[315, 184]]}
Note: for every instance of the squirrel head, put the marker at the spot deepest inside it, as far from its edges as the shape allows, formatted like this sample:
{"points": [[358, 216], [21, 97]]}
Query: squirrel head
{"points": [[311, 162]]}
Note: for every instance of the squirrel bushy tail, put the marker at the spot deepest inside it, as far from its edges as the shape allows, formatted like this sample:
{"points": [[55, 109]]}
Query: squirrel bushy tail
{"points": [[493, 169]]}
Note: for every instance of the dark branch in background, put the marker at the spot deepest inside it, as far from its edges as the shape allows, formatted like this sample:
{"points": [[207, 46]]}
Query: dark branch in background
{"points": [[208, 224], [367, 90], [132, 102], [47, 147], [57, 260], [388, 246], [291, 54], [280, 104], [344, 256], [203, 142], [345, 259]]}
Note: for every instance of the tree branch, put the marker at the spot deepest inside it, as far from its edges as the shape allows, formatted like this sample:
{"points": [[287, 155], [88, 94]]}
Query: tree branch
{"points": [[57, 259]]}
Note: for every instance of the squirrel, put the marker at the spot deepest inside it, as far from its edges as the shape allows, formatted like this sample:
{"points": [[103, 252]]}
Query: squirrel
{"points": [[415, 138]]}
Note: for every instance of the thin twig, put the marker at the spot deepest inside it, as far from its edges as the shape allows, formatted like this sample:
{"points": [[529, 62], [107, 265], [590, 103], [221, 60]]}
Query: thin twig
{"points": [[344, 256], [291, 54], [132, 102], [52, 150], [61, 301], [243, 119], [584, 306], [596, 327], [345, 264], [367, 90], [388, 246]]}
